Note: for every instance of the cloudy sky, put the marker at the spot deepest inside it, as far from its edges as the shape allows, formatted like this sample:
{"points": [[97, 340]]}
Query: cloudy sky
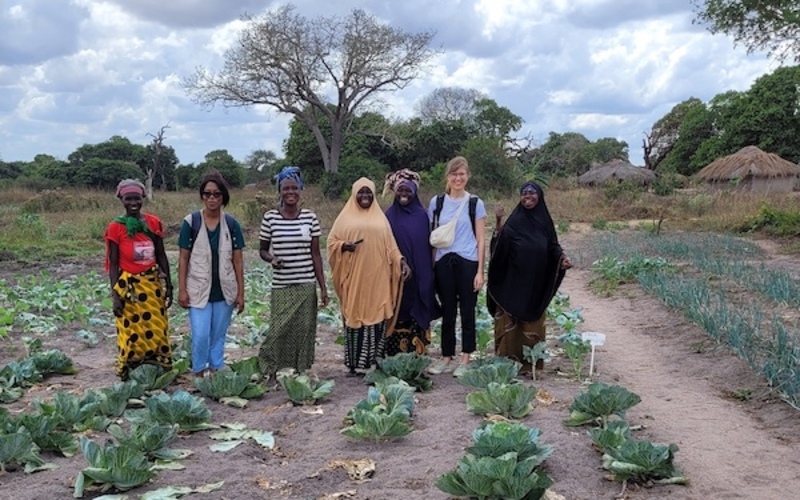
{"points": [[80, 71]]}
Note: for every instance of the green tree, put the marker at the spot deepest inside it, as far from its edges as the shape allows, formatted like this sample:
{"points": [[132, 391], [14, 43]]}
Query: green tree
{"points": [[493, 120], [564, 154], [491, 169], [664, 133], [51, 168], [771, 25], [105, 174], [696, 128], [223, 162], [187, 176], [605, 149], [288, 62], [261, 166]]}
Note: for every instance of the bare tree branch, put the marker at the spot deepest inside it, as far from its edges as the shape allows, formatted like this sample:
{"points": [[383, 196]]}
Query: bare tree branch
{"points": [[303, 67]]}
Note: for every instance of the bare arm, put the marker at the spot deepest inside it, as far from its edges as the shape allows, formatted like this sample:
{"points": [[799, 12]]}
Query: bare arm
{"points": [[113, 276], [183, 271], [316, 258], [238, 268], [163, 265], [480, 230]]}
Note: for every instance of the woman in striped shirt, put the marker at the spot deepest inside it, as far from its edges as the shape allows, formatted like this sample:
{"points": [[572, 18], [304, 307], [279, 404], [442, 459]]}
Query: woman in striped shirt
{"points": [[289, 238]]}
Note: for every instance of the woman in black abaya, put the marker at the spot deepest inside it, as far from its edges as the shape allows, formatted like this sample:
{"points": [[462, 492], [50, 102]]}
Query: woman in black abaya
{"points": [[526, 268]]}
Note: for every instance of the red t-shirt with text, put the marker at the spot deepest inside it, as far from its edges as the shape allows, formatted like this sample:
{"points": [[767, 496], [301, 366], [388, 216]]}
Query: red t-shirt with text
{"points": [[138, 253]]}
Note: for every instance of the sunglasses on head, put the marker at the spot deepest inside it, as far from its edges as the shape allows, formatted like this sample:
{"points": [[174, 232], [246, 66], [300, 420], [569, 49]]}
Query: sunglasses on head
{"points": [[212, 194]]}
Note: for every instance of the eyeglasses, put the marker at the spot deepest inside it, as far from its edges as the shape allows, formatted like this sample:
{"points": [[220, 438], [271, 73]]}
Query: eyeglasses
{"points": [[212, 194]]}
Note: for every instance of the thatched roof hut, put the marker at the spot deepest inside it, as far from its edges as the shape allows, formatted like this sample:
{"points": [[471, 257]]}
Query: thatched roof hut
{"points": [[617, 171], [751, 169]]}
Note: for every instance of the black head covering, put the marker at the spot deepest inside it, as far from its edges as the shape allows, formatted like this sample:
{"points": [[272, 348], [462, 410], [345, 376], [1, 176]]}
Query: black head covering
{"points": [[525, 266]]}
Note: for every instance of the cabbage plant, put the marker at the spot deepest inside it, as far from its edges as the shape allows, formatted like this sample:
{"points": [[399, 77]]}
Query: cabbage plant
{"points": [[599, 403], [304, 390], [509, 400], [117, 467], [384, 414], [152, 440], [611, 436], [189, 412], [502, 463], [230, 387], [407, 366], [18, 449], [643, 461], [499, 370]]}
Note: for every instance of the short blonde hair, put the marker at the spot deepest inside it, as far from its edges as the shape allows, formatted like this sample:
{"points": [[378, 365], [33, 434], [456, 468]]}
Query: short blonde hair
{"points": [[453, 165]]}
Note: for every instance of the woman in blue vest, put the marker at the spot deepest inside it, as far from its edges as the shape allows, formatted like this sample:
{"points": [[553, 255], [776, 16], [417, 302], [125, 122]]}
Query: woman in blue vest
{"points": [[210, 274]]}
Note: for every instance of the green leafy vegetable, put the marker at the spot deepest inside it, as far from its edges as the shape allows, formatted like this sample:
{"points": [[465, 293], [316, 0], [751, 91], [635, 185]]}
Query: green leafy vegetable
{"points": [[75, 413], [407, 366], [498, 438], [151, 440], [53, 361], [229, 384], [611, 436], [153, 377], [384, 414], [18, 448], [44, 430], [503, 477], [642, 461], [189, 412], [247, 367], [509, 400], [118, 467], [599, 403], [304, 390], [499, 370]]}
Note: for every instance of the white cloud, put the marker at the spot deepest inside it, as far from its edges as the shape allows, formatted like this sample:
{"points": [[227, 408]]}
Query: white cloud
{"points": [[91, 69]]}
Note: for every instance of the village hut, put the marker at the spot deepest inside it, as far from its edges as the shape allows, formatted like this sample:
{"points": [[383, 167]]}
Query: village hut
{"points": [[751, 169], [617, 171]]}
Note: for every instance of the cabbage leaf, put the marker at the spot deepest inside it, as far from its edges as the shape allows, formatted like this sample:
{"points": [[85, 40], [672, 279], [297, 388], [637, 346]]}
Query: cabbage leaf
{"points": [[509, 400], [599, 403]]}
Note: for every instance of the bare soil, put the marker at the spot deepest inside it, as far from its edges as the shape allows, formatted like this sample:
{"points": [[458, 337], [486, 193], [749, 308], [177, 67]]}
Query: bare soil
{"points": [[736, 439]]}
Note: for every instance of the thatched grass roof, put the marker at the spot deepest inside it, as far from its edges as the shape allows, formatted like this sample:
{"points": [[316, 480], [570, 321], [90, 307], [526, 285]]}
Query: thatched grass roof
{"points": [[617, 170], [749, 161]]}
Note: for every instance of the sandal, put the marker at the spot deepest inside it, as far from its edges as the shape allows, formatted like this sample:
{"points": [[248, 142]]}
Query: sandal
{"points": [[441, 366]]}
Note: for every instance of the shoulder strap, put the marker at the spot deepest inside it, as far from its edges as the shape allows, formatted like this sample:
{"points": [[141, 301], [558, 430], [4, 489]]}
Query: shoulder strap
{"points": [[437, 211], [196, 221], [473, 207]]}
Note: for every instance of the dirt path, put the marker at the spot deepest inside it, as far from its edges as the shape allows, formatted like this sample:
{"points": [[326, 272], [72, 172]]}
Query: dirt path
{"points": [[728, 449]]}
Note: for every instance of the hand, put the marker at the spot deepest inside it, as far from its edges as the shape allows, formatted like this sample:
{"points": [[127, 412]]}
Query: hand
{"points": [[183, 298], [351, 246], [405, 271], [323, 299], [566, 263], [499, 211], [277, 262], [168, 296], [239, 304], [118, 305], [477, 283]]}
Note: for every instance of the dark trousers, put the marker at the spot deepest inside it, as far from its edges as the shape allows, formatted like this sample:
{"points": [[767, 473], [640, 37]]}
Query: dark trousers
{"points": [[455, 276]]}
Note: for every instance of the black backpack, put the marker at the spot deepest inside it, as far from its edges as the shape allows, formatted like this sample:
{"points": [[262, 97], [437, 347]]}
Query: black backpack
{"points": [[437, 211], [197, 220]]}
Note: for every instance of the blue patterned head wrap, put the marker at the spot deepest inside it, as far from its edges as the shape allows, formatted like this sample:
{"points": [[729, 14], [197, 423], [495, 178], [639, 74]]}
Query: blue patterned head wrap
{"points": [[290, 172]]}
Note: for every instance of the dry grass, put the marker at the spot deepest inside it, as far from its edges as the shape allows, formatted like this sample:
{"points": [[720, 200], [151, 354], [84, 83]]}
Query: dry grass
{"points": [[748, 161], [63, 223]]}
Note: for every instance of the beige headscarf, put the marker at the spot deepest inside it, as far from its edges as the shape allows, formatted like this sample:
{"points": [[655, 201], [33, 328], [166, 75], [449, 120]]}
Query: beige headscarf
{"points": [[366, 281]]}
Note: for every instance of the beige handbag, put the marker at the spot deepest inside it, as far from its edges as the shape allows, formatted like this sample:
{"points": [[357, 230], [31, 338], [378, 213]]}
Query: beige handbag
{"points": [[444, 235]]}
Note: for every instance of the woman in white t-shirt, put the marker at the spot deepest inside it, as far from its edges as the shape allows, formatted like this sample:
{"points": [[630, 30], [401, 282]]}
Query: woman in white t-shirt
{"points": [[290, 243], [458, 269]]}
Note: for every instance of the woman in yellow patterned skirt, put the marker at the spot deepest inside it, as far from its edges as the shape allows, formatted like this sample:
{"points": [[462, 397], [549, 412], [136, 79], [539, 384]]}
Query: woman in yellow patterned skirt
{"points": [[136, 264]]}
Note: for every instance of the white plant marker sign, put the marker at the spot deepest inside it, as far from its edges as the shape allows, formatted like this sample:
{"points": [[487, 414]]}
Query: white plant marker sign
{"points": [[594, 339]]}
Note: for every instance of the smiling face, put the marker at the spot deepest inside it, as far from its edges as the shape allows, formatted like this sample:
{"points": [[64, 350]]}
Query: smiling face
{"points": [[457, 178], [529, 197], [403, 195], [364, 197], [290, 192], [212, 196], [132, 203]]}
